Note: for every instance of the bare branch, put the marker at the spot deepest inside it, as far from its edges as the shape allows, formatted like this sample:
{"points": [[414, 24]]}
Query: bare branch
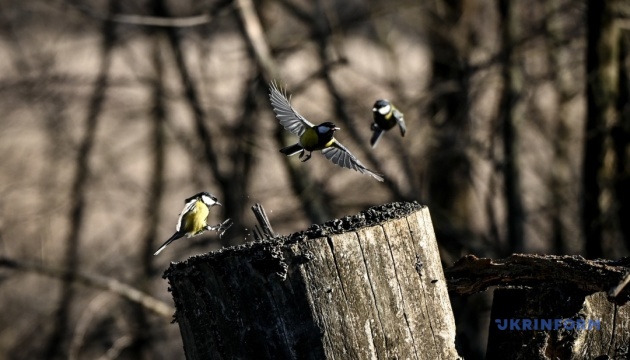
{"points": [[256, 37]]}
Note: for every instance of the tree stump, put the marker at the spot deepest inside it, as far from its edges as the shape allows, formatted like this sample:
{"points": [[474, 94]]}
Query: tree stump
{"points": [[562, 324], [363, 287], [551, 307]]}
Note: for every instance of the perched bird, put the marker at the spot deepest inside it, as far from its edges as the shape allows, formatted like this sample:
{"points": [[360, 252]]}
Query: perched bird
{"points": [[313, 138], [192, 220], [386, 116]]}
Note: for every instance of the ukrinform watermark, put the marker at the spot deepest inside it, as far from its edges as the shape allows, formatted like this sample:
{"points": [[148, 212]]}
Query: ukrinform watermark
{"points": [[547, 324]]}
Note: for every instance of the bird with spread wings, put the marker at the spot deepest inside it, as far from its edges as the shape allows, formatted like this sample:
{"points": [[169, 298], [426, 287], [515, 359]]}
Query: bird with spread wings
{"points": [[313, 137]]}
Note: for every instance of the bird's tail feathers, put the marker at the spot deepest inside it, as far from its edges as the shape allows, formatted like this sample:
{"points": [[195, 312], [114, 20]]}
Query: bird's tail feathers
{"points": [[292, 150], [376, 135], [175, 236]]}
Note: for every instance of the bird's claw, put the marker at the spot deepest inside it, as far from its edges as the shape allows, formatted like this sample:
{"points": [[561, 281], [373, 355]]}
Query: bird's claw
{"points": [[222, 228], [307, 157]]}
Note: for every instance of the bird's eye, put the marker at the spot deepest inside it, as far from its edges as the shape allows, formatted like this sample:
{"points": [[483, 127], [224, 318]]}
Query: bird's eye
{"points": [[384, 110]]}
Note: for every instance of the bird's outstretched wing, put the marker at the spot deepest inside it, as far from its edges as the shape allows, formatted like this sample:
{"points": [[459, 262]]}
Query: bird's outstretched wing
{"points": [[401, 121], [189, 205], [338, 154], [289, 118]]}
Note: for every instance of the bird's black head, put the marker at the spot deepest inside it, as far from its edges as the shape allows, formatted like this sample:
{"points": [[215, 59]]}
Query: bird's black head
{"points": [[206, 197], [382, 106], [326, 128]]}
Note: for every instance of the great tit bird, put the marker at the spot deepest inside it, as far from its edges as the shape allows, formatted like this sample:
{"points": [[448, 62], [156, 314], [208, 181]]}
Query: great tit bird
{"points": [[386, 116], [313, 138], [193, 219]]}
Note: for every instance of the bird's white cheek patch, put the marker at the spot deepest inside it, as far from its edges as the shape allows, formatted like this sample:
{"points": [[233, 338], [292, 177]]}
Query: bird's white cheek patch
{"points": [[207, 199], [385, 109]]}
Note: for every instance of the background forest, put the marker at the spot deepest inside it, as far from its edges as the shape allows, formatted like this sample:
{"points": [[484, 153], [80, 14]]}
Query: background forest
{"points": [[113, 112]]}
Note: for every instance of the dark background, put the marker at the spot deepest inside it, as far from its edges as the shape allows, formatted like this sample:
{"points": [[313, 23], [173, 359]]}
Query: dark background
{"points": [[113, 112]]}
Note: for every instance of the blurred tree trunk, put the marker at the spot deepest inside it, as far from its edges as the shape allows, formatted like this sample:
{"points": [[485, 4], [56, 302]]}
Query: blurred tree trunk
{"points": [[602, 73], [511, 112], [142, 331], [621, 139], [449, 165], [57, 343], [557, 26], [241, 154], [158, 137]]}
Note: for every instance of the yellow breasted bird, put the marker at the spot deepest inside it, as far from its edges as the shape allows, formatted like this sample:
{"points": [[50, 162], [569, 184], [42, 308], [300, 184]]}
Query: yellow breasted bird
{"points": [[193, 219], [386, 116], [313, 137]]}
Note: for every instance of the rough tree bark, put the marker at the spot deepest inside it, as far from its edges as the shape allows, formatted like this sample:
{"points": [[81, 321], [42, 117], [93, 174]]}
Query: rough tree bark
{"points": [[366, 286], [471, 274]]}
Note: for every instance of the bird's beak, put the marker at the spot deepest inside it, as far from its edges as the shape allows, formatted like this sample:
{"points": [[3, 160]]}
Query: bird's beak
{"points": [[218, 203], [336, 128], [374, 109]]}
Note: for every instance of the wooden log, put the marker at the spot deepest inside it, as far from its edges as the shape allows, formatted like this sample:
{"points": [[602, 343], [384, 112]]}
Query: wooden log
{"points": [[361, 287], [471, 274]]}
